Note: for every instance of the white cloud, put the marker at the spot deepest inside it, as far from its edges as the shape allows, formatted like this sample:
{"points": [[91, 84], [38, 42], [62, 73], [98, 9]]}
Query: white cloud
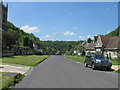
{"points": [[29, 29], [69, 33], [108, 32], [81, 37], [55, 33], [89, 36], [47, 37]]}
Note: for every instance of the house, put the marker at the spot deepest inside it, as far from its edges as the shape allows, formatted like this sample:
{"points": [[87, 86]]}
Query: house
{"points": [[67, 53], [79, 49], [109, 46], [35, 46], [76, 52]]}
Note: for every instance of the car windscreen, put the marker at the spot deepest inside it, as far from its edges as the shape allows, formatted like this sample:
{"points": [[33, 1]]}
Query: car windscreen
{"points": [[99, 57]]}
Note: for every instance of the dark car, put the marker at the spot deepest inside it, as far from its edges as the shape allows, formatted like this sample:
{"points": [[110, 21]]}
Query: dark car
{"points": [[97, 61]]}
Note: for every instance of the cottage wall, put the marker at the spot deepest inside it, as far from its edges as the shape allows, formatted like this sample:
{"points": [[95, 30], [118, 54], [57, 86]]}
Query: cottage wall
{"points": [[90, 51], [98, 42], [111, 54]]}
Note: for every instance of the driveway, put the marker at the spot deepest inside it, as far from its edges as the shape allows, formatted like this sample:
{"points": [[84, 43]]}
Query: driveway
{"points": [[14, 68], [59, 72]]}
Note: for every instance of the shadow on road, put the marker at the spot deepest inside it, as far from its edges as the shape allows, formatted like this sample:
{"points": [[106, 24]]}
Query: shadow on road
{"points": [[103, 69]]}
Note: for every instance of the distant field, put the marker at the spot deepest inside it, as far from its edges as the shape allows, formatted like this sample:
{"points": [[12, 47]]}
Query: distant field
{"points": [[81, 59], [76, 58], [27, 60]]}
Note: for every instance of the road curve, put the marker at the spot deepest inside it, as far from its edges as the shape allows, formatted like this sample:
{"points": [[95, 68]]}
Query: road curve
{"points": [[59, 72]]}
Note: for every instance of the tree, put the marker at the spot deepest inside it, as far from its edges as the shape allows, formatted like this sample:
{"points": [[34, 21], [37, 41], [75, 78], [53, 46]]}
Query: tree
{"points": [[89, 40], [8, 40], [31, 44], [115, 32], [26, 41]]}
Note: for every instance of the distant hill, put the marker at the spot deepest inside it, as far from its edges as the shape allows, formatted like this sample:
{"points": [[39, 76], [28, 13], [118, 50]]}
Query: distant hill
{"points": [[115, 32], [15, 37], [61, 46]]}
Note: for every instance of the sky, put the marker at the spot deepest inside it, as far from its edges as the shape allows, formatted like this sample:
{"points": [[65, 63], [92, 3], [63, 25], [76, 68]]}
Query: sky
{"points": [[67, 21]]}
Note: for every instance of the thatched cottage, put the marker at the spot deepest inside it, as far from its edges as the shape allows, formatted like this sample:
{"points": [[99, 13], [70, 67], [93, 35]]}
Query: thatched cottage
{"points": [[109, 46]]}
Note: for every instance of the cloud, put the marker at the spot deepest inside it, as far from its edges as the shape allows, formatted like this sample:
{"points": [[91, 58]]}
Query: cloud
{"points": [[29, 29], [89, 36], [108, 32], [69, 33], [47, 37], [55, 33], [81, 37]]}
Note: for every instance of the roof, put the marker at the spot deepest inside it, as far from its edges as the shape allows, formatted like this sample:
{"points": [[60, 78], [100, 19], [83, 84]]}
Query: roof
{"points": [[91, 45], [109, 42], [114, 43], [105, 39]]}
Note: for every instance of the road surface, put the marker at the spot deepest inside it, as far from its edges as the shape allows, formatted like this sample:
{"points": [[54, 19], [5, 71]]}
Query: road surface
{"points": [[59, 72]]}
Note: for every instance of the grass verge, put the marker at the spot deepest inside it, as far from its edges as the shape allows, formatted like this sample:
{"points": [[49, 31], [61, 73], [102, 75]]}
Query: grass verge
{"points": [[76, 58], [27, 60], [7, 81], [117, 71], [115, 62], [82, 59]]}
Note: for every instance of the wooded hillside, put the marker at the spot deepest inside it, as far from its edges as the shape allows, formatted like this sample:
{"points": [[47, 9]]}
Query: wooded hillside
{"points": [[115, 32]]}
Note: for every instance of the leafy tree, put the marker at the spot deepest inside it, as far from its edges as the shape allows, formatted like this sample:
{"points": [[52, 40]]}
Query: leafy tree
{"points": [[26, 41], [8, 39], [89, 40], [31, 44]]}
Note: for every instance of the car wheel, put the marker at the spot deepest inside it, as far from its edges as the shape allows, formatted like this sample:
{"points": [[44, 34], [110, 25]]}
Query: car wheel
{"points": [[93, 66], [85, 64]]}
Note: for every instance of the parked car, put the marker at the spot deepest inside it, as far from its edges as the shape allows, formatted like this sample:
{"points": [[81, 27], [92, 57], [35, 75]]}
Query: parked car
{"points": [[97, 61]]}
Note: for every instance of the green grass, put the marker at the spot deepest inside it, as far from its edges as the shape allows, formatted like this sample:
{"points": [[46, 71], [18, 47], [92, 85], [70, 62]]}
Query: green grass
{"points": [[27, 60], [81, 59], [117, 71], [9, 82], [76, 58], [116, 61]]}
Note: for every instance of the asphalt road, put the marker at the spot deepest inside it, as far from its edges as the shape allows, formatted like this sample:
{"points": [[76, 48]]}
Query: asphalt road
{"points": [[58, 72]]}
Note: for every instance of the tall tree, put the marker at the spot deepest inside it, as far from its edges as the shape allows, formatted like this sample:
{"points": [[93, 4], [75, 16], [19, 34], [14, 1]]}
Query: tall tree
{"points": [[26, 41], [89, 40]]}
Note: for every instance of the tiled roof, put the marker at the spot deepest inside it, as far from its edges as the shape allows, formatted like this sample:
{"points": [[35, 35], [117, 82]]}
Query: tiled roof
{"points": [[91, 45], [114, 43], [105, 39], [109, 42]]}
